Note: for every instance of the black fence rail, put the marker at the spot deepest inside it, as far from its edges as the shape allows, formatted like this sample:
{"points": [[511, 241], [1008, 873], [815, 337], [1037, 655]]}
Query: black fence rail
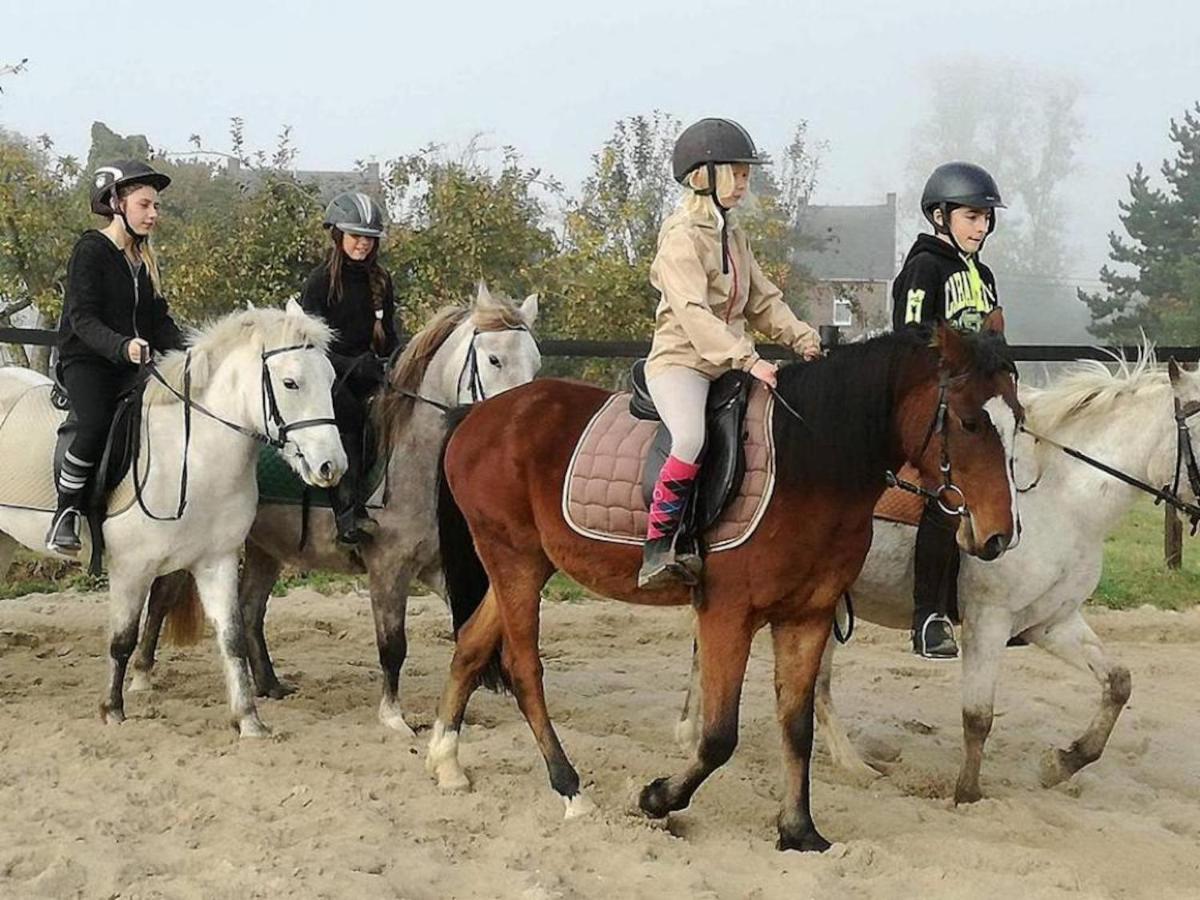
{"points": [[580, 349], [583, 349]]}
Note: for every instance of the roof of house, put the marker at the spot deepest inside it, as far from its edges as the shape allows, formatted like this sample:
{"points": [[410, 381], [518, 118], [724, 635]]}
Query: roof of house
{"points": [[849, 242]]}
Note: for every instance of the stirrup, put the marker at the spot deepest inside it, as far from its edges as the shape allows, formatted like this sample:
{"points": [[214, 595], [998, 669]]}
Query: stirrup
{"points": [[948, 649], [63, 536]]}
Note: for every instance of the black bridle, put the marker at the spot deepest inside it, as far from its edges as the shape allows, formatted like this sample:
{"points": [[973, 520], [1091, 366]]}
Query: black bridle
{"points": [[271, 417], [939, 425], [1185, 461], [470, 370]]}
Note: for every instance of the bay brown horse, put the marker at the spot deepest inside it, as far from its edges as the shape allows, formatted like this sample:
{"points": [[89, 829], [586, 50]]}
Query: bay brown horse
{"points": [[865, 411]]}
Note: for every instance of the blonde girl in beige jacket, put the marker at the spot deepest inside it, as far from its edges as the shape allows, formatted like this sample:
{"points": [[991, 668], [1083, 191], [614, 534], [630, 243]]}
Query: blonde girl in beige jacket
{"points": [[713, 292]]}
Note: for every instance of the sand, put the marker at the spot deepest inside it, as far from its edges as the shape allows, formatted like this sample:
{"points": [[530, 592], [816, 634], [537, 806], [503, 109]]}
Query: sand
{"points": [[172, 804]]}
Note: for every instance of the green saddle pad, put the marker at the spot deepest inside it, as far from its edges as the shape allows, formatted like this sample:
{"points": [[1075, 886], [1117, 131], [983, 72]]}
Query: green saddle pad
{"points": [[278, 483]]}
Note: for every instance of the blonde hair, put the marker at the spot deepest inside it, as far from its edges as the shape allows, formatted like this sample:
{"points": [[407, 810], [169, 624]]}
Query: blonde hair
{"points": [[702, 205]]}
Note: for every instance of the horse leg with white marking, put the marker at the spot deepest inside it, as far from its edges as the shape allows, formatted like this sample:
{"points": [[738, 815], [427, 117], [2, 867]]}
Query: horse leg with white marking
{"points": [[986, 630], [126, 596], [687, 730], [841, 749], [216, 581], [260, 571], [389, 603], [1074, 641]]}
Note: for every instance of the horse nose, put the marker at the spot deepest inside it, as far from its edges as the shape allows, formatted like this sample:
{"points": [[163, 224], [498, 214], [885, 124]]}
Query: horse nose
{"points": [[994, 546], [326, 470]]}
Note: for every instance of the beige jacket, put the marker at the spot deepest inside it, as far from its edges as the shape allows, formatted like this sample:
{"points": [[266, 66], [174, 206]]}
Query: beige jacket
{"points": [[701, 320]]}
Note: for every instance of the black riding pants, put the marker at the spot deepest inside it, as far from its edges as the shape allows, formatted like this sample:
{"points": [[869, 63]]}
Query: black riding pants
{"points": [[935, 583], [92, 388]]}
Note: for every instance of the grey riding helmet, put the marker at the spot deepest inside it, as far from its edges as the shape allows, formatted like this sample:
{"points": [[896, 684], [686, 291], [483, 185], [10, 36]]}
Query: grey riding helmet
{"points": [[353, 212]]}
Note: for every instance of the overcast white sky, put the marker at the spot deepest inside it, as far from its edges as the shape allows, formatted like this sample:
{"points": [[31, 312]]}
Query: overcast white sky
{"points": [[371, 79]]}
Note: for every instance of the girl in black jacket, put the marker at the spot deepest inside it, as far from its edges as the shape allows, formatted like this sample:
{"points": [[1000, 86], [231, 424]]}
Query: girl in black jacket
{"points": [[354, 294], [114, 317]]}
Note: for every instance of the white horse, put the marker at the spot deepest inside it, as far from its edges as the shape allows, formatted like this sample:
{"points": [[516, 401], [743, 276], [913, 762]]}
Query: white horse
{"points": [[464, 354], [1125, 419], [256, 375]]}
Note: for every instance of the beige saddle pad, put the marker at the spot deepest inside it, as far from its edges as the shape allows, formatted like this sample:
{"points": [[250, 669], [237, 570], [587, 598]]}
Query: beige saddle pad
{"points": [[28, 432], [901, 506], [602, 493]]}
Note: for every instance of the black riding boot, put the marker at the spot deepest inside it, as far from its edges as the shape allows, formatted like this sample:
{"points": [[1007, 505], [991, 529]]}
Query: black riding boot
{"points": [[935, 586], [353, 524]]}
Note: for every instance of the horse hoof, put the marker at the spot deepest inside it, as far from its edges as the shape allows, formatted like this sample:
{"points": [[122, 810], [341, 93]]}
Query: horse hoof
{"points": [[277, 690], [453, 782], [253, 727], [141, 681], [687, 736], [579, 805], [112, 716], [392, 718], [964, 794], [654, 800], [807, 841], [1053, 769]]}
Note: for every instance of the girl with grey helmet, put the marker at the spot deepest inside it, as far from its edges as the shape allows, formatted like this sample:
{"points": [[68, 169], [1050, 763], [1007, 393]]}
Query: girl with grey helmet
{"points": [[943, 280], [713, 292], [353, 293], [114, 317]]}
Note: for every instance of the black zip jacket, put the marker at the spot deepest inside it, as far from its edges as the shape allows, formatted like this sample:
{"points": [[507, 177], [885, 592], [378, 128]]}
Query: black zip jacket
{"points": [[934, 286], [353, 316], [107, 305]]}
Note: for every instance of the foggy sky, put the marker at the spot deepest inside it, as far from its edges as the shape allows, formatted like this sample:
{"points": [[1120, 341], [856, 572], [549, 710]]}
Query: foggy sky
{"points": [[372, 80]]}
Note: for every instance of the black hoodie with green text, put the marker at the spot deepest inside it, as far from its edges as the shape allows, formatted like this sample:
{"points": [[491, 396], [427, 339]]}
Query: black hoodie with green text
{"points": [[939, 284]]}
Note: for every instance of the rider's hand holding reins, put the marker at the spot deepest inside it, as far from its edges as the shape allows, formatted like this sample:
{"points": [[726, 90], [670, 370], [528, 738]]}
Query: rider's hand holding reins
{"points": [[765, 372], [138, 351]]}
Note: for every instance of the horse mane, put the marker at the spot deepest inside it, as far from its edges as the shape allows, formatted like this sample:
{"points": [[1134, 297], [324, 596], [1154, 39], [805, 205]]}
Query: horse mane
{"points": [[393, 406], [208, 347], [846, 401], [1090, 389]]}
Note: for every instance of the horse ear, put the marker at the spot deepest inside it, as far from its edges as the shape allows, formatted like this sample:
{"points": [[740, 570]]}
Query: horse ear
{"points": [[293, 308], [529, 309], [483, 297], [950, 346], [994, 322], [1174, 371]]}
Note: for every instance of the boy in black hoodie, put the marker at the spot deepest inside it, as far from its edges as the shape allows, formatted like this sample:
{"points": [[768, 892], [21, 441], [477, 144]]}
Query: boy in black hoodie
{"points": [[942, 280]]}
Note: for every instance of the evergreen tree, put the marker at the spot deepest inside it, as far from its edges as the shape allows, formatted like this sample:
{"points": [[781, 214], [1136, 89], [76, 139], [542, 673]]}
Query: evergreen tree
{"points": [[1162, 295]]}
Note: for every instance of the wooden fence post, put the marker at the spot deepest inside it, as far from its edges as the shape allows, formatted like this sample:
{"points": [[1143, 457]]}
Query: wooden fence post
{"points": [[1172, 538]]}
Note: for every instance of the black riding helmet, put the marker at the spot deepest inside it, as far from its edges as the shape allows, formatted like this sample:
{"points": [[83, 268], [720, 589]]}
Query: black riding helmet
{"points": [[711, 142], [108, 179], [956, 184], [353, 212]]}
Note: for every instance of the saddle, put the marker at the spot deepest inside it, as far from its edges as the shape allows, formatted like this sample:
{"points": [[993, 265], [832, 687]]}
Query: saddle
{"points": [[723, 459], [901, 506], [619, 454]]}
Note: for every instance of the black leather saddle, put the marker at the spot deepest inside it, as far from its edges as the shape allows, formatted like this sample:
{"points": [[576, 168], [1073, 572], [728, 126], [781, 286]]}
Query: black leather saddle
{"points": [[723, 461]]}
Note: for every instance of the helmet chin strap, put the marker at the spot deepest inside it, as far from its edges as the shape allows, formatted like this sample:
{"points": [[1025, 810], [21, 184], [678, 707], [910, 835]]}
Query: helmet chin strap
{"points": [[722, 213], [119, 209]]}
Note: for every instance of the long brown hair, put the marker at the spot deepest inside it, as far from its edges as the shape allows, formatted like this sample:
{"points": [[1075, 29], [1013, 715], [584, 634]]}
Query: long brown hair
{"points": [[143, 248], [376, 277]]}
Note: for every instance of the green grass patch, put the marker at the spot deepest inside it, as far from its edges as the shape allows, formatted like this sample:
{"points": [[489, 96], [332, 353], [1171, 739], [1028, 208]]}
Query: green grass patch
{"points": [[1134, 572], [1134, 569]]}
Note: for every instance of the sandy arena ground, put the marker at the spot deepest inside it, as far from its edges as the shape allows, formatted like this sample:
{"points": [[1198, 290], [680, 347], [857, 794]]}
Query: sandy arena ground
{"points": [[171, 804]]}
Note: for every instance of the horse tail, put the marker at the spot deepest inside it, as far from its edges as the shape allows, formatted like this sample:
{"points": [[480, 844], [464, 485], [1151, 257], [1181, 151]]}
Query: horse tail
{"points": [[466, 579], [185, 615]]}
